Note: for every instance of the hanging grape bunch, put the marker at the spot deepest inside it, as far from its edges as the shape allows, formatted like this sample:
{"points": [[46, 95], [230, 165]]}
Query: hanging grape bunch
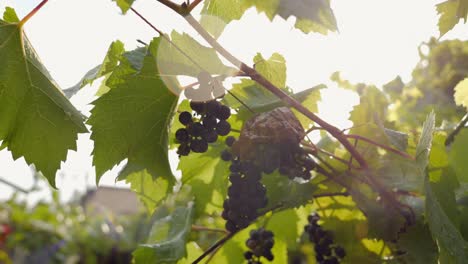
{"points": [[326, 252], [271, 141], [246, 193], [203, 125], [259, 243]]}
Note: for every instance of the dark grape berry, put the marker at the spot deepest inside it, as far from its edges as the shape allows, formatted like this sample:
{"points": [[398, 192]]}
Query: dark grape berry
{"points": [[223, 128], [226, 155], [196, 129], [185, 118], [223, 112], [209, 122], [182, 135], [212, 107], [325, 249], [198, 145], [230, 140], [210, 136], [198, 107], [340, 252], [183, 149]]}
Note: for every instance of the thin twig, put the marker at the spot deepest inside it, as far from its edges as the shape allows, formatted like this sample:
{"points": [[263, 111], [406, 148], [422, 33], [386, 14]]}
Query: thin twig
{"points": [[396, 151], [193, 5], [204, 228], [14, 186], [460, 126], [214, 247], [32, 13], [331, 194], [177, 8]]}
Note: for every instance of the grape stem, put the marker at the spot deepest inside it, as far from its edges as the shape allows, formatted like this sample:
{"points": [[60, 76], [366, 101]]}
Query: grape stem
{"points": [[460, 126], [214, 247], [204, 228], [193, 5], [321, 195], [388, 148], [32, 13]]}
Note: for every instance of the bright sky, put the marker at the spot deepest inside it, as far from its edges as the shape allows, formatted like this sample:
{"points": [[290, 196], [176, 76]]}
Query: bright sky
{"points": [[378, 40]]}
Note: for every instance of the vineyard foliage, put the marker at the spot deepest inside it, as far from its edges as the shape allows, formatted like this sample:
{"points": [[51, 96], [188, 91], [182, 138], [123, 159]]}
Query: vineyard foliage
{"points": [[393, 188]]}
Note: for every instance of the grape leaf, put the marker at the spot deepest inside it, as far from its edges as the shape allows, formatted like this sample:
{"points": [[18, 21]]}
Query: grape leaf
{"points": [[10, 15], [402, 174], [311, 15], [193, 251], [451, 12], [150, 191], [252, 94], [36, 119], [458, 154], [425, 142], [461, 93], [287, 235], [418, 245], [259, 100], [185, 56], [208, 176], [171, 224], [284, 193], [124, 5], [452, 247], [110, 62], [131, 122]]}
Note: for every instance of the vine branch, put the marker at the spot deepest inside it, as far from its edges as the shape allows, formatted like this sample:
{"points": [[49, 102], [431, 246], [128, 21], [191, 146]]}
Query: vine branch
{"points": [[32, 13], [214, 247], [460, 126], [370, 141]]}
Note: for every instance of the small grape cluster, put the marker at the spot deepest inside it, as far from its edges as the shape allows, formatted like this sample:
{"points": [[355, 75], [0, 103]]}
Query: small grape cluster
{"points": [[326, 252], [246, 194], [207, 123], [260, 243]]}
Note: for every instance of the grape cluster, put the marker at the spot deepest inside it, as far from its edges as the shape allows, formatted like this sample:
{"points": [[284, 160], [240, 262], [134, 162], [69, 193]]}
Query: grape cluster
{"points": [[204, 126], [289, 160], [260, 243], [326, 252], [295, 162], [246, 194]]}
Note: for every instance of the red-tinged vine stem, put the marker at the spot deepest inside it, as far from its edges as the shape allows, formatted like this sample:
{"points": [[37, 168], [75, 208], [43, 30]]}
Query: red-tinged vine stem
{"points": [[32, 13], [193, 5], [388, 148]]}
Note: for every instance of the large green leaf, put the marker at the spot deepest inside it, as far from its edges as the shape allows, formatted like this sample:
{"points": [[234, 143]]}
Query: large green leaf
{"points": [[451, 12], [110, 62], [452, 247], [311, 15], [417, 245], [461, 93], [150, 191], [208, 176], [185, 56], [171, 224], [36, 120], [425, 142], [131, 122], [458, 156]]}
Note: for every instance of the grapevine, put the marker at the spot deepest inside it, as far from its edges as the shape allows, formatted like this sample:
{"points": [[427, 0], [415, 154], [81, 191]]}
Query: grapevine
{"points": [[254, 156]]}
